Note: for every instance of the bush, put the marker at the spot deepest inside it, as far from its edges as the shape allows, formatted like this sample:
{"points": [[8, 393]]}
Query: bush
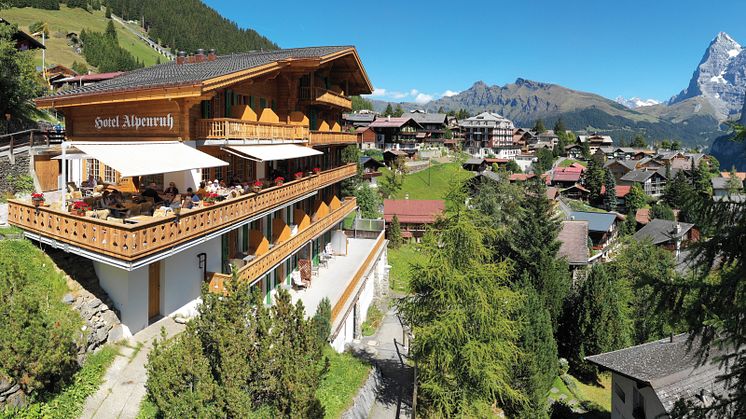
{"points": [[373, 322], [322, 321], [22, 183], [38, 332]]}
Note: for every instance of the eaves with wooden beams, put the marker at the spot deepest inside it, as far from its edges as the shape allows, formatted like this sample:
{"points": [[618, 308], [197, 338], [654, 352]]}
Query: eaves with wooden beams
{"points": [[204, 88]]}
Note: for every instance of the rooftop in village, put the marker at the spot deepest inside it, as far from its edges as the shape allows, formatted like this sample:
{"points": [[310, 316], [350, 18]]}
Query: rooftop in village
{"points": [[574, 242], [660, 231], [413, 211], [671, 366], [597, 221]]}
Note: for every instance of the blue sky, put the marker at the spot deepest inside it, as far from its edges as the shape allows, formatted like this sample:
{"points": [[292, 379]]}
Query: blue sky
{"points": [[415, 50]]}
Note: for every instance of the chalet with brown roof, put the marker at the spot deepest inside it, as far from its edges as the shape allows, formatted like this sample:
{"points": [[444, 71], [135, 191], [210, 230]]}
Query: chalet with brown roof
{"points": [[366, 137], [398, 133], [414, 215]]}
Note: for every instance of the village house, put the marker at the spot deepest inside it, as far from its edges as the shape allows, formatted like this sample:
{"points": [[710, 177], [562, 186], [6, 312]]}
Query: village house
{"points": [[414, 215], [549, 137], [574, 151], [619, 168], [602, 227], [366, 137], [573, 238], [648, 380], [485, 132], [595, 141], [525, 161], [433, 126], [253, 145], [721, 186], [82, 80], [394, 158], [371, 169], [564, 177], [621, 196], [358, 119], [24, 41], [671, 235], [397, 133], [652, 182]]}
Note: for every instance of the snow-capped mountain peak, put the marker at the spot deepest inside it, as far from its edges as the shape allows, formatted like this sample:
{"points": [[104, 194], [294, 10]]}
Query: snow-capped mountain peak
{"points": [[636, 102]]}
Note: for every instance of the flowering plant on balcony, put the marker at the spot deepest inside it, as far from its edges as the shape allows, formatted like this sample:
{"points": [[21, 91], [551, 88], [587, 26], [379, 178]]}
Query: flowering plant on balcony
{"points": [[298, 175], [279, 180], [37, 198], [317, 170], [211, 198], [80, 207], [257, 186]]}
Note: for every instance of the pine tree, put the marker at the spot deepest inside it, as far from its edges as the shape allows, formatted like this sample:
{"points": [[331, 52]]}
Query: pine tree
{"points": [[636, 198], [389, 110], [108, 11], [734, 183], [539, 126], [559, 127], [395, 238], [610, 201], [596, 320], [594, 179], [638, 141], [111, 32], [399, 111]]}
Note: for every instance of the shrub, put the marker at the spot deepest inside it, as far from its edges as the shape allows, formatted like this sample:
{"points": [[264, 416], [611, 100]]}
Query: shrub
{"points": [[322, 321], [21, 183], [38, 332]]}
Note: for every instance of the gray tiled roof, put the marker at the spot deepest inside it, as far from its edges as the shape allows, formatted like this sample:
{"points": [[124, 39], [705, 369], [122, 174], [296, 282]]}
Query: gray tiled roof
{"points": [[638, 175], [359, 117], [671, 368], [722, 183], [172, 74], [429, 118], [630, 164], [574, 242], [661, 231]]}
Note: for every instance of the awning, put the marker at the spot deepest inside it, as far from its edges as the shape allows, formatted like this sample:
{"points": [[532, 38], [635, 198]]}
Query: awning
{"points": [[148, 158], [74, 156], [272, 152]]}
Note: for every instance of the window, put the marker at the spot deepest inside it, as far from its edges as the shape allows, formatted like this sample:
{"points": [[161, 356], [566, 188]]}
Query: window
{"points": [[619, 392], [92, 168], [110, 175]]}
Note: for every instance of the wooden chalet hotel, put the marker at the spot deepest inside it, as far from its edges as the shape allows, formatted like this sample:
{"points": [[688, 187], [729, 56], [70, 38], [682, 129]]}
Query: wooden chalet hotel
{"points": [[262, 131]]}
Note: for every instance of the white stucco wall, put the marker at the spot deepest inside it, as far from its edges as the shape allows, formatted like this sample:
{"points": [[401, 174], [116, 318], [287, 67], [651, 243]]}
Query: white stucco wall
{"points": [[128, 291], [623, 409], [182, 277], [345, 334]]}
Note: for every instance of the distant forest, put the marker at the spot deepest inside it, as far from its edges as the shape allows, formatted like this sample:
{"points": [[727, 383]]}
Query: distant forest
{"points": [[190, 24]]}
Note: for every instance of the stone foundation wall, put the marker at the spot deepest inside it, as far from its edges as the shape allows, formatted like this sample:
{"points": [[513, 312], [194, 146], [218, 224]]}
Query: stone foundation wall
{"points": [[8, 170]]}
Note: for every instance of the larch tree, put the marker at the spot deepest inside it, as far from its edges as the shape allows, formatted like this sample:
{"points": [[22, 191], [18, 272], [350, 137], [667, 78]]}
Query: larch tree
{"points": [[610, 200], [395, 238]]}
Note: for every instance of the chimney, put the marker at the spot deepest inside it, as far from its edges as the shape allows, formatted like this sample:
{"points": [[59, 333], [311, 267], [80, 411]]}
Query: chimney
{"points": [[677, 229], [190, 59], [180, 57], [200, 56], [211, 55]]}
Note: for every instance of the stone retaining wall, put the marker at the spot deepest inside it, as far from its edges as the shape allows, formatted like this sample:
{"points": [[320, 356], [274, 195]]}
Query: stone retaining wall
{"points": [[8, 170]]}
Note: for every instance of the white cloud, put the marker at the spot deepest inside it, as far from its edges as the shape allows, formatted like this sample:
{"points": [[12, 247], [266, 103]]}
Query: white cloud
{"points": [[378, 92], [449, 93], [414, 92], [398, 95], [422, 98]]}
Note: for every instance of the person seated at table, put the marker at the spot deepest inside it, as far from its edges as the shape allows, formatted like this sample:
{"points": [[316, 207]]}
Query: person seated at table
{"points": [[201, 192], [189, 192], [235, 181], [150, 192], [172, 189], [91, 182]]}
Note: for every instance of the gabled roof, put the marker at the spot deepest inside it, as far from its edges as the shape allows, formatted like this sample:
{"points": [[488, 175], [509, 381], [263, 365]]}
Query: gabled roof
{"points": [[224, 70], [597, 221], [392, 122], [740, 175], [574, 242], [396, 152], [429, 118], [359, 117], [621, 190], [629, 164], [415, 211], [21, 36], [90, 78], [639, 175], [565, 176], [642, 215], [370, 162], [660, 231], [669, 366], [722, 183]]}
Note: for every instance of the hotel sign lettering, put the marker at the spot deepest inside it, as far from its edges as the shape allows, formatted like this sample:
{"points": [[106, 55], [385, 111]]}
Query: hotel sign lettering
{"points": [[134, 121]]}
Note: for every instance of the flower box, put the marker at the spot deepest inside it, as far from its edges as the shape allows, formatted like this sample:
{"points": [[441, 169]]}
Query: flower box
{"points": [[279, 181]]}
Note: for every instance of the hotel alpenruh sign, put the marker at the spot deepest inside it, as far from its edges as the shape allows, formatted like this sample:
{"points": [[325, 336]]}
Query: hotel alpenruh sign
{"points": [[127, 120]]}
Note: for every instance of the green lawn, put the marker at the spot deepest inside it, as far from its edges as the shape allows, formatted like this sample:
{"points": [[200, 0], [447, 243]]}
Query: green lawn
{"points": [[373, 321], [577, 205], [66, 20], [569, 162], [401, 260], [432, 183], [341, 383], [589, 394]]}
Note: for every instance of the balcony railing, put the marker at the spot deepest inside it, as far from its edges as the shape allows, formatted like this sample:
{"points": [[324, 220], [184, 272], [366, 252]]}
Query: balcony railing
{"points": [[260, 265], [353, 284], [220, 128], [324, 137], [323, 96], [130, 242]]}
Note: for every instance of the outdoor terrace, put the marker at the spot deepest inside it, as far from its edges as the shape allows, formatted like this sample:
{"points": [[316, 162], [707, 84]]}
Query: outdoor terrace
{"points": [[131, 240]]}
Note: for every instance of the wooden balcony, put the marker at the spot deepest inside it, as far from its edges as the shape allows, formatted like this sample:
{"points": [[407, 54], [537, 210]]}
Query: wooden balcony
{"points": [[261, 264], [331, 138], [320, 96], [130, 242], [238, 129]]}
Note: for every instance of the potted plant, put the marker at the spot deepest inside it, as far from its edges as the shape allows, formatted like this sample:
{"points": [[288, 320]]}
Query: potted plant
{"points": [[316, 170], [37, 199], [80, 207], [279, 180], [298, 175], [256, 186], [210, 199]]}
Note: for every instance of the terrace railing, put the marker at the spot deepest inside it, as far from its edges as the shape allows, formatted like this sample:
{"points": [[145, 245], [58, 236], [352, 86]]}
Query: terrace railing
{"points": [[324, 96], [230, 128]]}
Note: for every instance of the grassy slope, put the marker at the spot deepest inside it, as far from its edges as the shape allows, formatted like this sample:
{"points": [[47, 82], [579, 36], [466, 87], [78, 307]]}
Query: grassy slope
{"points": [[74, 20], [440, 178], [340, 385], [598, 394], [401, 260]]}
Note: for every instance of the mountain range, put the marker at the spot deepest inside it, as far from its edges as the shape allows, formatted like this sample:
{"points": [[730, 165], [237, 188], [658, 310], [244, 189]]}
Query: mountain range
{"points": [[714, 95]]}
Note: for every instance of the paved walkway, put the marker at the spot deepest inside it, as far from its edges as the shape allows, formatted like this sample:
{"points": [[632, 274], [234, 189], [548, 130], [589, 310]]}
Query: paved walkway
{"points": [[124, 383], [385, 350]]}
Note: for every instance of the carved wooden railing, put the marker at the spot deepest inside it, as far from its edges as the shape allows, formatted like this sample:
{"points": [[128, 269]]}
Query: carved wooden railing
{"points": [[261, 264], [318, 94], [130, 242], [328, 137], [352, 285], [230, 128]]}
